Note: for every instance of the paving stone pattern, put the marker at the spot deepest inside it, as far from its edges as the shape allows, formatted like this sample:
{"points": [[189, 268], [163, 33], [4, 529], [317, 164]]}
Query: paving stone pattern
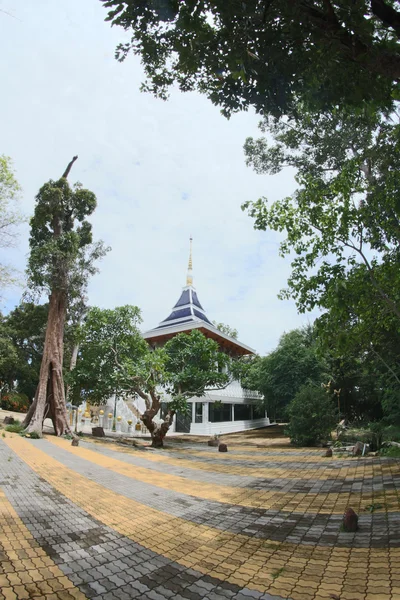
{"points": [[83, 514]]}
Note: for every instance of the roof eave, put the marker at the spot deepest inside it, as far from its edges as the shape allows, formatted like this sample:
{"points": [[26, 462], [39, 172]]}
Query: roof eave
{"points": [[164, 331]]}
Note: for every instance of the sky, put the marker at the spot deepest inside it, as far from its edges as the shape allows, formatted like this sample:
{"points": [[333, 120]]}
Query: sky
{"points": [[161, 171]]}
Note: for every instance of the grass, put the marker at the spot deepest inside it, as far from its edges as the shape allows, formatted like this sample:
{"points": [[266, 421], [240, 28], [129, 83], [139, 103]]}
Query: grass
{"points": [[33, 435], [16, 427], [373, 507], [276, 574], [390, 451]]}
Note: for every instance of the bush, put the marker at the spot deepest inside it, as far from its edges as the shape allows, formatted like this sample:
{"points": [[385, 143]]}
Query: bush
{"points": [[16, 427], [15, 402], [312, 417]]}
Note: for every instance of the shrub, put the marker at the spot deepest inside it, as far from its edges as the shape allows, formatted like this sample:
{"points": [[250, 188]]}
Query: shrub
{"points": [[312, 417], [15, 402], [16, 427]]}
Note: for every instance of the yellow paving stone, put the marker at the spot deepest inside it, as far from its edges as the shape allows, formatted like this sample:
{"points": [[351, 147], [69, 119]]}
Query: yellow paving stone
{"points": [[21, 592], [13, 579], [149, 527], [294, 474], [20, 572], [9, 593]]}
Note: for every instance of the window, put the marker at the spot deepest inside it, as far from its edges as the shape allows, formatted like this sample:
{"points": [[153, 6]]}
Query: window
{"points": [[243, 412], [219, 412], [198, 412]]}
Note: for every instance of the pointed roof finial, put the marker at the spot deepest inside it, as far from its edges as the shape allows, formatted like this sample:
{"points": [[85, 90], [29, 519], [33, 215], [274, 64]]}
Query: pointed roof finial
{"points": [[189, 277]]}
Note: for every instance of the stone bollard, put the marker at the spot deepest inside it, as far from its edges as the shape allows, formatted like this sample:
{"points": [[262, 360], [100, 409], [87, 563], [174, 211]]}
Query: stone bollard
{"points": [[98, 432], [75, 442], [222, 448], [328, 453], [350, 520], [358, 449], [8, 421]]}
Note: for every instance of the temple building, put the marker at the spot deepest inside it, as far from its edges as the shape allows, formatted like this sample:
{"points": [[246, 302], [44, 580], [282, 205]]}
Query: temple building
{"points": [[225, 410]]}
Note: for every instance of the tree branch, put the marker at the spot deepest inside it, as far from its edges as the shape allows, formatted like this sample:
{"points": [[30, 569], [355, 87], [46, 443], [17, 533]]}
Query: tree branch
{"points": [[69, 167], [389, 368], [387, 14], [144, 396]]}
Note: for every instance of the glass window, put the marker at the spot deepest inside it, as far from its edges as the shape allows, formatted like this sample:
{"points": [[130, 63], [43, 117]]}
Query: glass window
{"points": [[243, 412], [219, 412], [198, 412]]}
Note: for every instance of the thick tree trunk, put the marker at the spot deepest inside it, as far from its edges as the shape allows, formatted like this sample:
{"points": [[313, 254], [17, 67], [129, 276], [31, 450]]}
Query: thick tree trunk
{"points": [[50, 398], [72, 365], [157, 431], [160, 431]]}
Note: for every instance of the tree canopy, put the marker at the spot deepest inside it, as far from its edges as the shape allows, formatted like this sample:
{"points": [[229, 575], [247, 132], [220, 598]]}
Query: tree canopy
{"points": [[22, 332], [265, 54], [227, 329], [115, 359], [280, 375], [342, 229]]}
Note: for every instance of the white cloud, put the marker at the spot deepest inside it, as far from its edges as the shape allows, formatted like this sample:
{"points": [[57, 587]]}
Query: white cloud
{"points": [[161, 171]]}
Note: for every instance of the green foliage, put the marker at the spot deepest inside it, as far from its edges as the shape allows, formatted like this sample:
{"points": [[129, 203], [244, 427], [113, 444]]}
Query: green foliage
{"points": [[115, 359], [281, 374], [22, 331], [111, 349], [390, 452], [14, 401], [342, 229], [59, 234], [10, 217], [16, 427], [192, 364], [264, 54], [233, 333], [312, 417], [345, 214], [33, 435]]}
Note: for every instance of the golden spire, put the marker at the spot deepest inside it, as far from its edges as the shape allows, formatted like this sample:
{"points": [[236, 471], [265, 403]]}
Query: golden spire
{"points": [[189, 277]]}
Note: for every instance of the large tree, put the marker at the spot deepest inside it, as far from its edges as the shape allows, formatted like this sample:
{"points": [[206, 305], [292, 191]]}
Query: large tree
{"points": [[10, 217], [115, 359], [266, 54], [24, 328], [60, 232], [345, 214], [342, 227], [294, 363]]}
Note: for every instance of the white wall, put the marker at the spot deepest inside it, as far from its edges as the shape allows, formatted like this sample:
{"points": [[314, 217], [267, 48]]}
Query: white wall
{"points": [[227, 426]]}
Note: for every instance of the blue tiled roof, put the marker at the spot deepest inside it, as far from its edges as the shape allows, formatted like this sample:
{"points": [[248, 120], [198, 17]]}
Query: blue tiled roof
{"points": [[178, 314], [184, 299], [166, 324], [187, 309], [196, 300], [201, 316]]}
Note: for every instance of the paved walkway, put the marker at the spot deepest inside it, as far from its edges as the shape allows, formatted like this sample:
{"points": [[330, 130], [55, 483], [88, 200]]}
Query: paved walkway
{"points": [[188, 523]]}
